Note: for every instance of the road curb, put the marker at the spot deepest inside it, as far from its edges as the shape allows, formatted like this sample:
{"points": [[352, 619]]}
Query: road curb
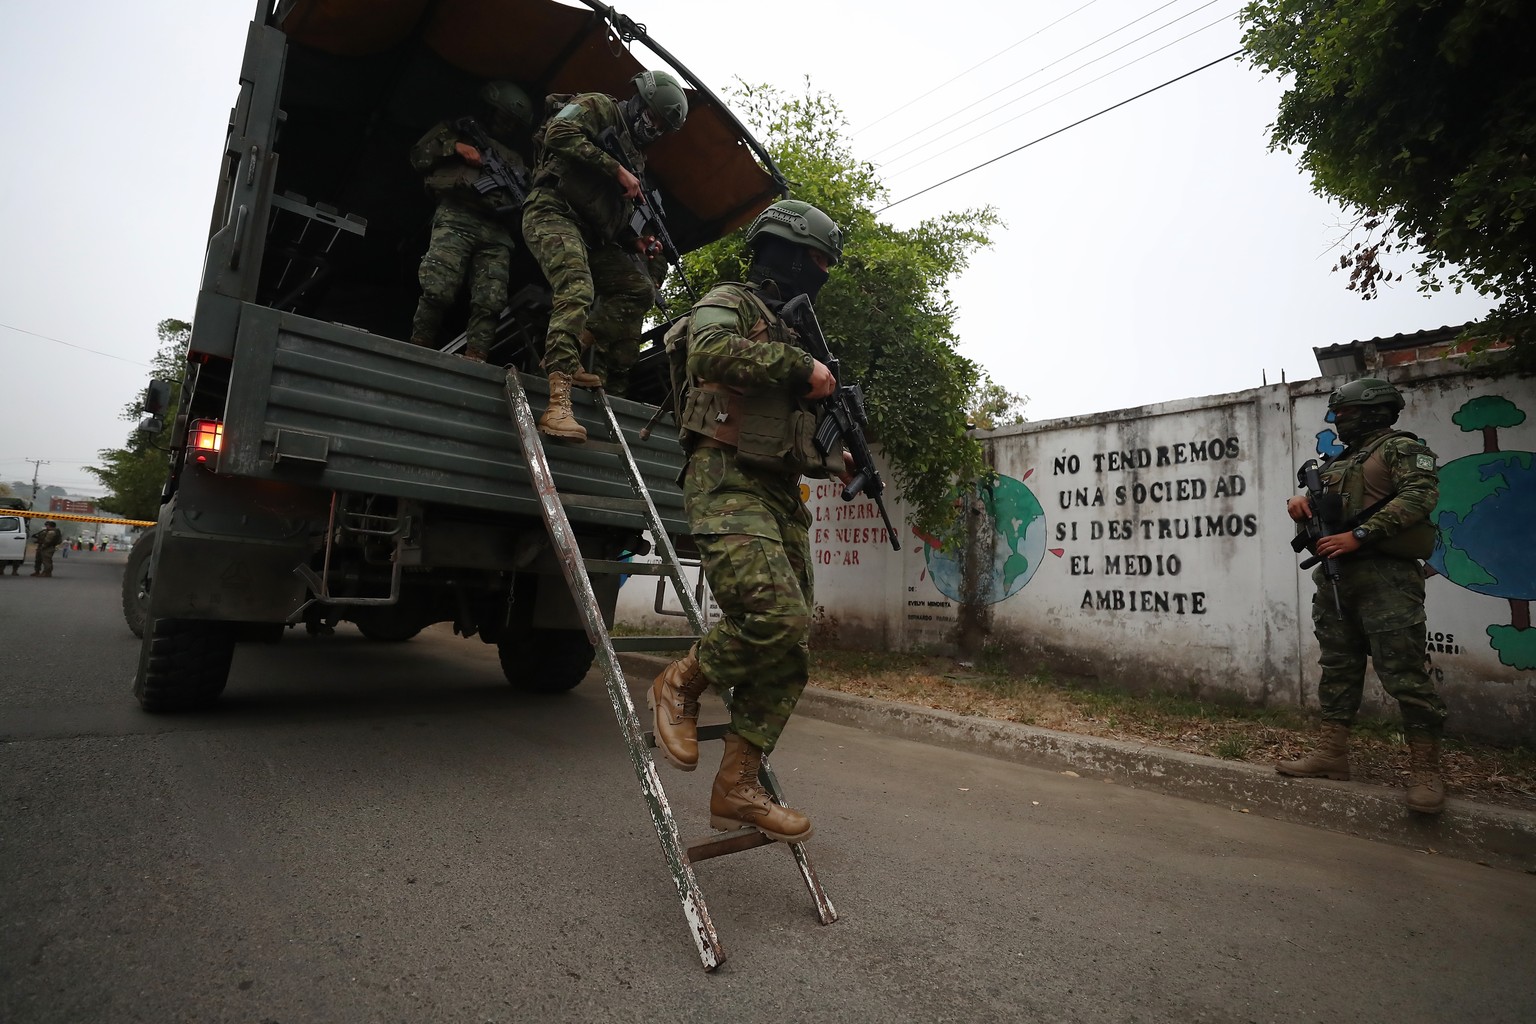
{"points": [[1487, 834]]}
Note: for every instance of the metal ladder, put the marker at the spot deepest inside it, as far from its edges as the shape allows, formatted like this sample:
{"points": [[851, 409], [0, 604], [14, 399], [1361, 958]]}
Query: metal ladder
{"points": [[681, 857]]}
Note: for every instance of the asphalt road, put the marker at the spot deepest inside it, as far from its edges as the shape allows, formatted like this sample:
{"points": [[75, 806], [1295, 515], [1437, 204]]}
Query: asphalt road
{"points": [[373, 832]]}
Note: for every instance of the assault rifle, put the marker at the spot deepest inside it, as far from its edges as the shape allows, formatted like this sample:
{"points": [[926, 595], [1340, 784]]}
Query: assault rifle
{"points": [[1327, 514], [648, 218], [499, 174], [843, 419]]}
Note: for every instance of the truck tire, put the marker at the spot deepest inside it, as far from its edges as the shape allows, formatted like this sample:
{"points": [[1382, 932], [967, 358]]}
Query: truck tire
{"points": [[545, 660], [183, 664], [136, 582]]}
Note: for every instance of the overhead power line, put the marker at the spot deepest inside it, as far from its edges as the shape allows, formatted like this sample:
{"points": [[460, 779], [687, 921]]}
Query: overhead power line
{"points": [[70, 344], [1051, 135], [1041, 106], [973, 67], [1047, 67]]}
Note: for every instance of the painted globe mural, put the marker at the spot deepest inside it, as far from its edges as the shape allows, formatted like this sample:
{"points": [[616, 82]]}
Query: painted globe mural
{"points": [[1018, 544], [1485, 517]]}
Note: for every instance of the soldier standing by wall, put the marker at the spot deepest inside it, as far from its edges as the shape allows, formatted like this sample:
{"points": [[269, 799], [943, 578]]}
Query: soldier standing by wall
{"points": [[1389, 486], [575, 225], [742, 496], [472, 231], [48, 540]]}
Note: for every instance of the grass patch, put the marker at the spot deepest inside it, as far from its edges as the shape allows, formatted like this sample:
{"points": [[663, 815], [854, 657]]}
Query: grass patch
{"points": [[986, 688]]}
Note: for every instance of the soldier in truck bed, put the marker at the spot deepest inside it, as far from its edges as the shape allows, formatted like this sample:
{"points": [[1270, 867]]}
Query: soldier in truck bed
{"points": [[472, 232], [575, 224]]}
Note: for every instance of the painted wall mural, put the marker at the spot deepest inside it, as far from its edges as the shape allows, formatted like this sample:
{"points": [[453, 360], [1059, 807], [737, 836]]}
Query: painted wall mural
{"points": [[1018, 544], [1487, 521]]}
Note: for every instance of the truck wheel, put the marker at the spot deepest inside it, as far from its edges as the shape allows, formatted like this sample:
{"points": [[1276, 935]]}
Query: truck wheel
{"points": [[545, 660], [387, 633], [136, 582], [183, 664]]}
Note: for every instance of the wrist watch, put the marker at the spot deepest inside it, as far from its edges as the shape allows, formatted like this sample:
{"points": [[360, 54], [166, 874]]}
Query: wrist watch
{"points": [[1359, 533]]}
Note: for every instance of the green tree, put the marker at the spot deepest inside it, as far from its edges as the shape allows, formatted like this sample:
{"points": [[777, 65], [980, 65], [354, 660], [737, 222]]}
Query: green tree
{"points": [[1419, 116], [135, 473], [995, 406], [1488, 413], [886, 309]]}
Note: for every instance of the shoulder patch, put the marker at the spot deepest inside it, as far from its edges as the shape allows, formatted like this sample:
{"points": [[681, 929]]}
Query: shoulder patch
{"points": [[569, 111], [1425, 461]]}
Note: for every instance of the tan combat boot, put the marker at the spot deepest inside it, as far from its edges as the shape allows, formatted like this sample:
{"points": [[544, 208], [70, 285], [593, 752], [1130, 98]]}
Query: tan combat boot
{"points": [[674, 697], [738, 798], [1426, 789], [1329, 761], [558, 420], [475, 353]]}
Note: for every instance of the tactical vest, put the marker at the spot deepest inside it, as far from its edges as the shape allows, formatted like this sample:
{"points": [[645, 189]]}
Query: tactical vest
{"points": [[447, 177], [1362, 479], [771, 431]]}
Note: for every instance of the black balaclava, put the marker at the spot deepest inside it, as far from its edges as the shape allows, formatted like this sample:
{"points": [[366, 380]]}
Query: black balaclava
{"points": [[644, 130], [1355, 423], [788, 265]]}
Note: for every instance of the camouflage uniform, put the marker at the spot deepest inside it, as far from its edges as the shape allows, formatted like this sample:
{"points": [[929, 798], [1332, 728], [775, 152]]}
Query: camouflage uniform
{"points": [[1382, 592], [575, 225], [751, 527], [48, 541], [471, 240]]}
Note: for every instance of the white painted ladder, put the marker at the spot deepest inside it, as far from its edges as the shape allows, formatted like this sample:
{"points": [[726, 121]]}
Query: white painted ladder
{"points": [[577, 568]]}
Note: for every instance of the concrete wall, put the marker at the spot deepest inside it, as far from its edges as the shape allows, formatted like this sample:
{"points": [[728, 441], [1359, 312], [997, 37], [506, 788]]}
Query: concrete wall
{"points": [[1149, 548]]}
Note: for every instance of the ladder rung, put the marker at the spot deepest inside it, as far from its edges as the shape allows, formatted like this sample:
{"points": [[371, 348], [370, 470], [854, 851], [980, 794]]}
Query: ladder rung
{"points": [[706, 732], [592, 446], [598, 501], [652, 643], [613, 568], [722, 843]]}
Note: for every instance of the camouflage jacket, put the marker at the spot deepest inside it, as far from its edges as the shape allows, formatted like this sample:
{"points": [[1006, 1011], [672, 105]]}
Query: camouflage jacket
{"points": [[1393, 473], [446, 175], [731, 342], [572, 163]]}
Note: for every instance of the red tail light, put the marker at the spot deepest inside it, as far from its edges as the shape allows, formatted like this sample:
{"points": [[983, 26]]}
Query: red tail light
{"points": [[205, 438]]}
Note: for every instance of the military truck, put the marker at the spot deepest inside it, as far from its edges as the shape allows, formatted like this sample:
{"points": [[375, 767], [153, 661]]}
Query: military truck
{"points": [[325, 470]]}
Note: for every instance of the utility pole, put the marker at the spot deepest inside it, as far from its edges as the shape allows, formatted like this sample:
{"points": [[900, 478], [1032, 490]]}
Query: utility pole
{"points": [[37, 464]]}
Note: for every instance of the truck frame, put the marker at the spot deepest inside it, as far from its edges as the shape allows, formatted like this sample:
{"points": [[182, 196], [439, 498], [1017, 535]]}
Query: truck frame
{"points": [[323, 469]]}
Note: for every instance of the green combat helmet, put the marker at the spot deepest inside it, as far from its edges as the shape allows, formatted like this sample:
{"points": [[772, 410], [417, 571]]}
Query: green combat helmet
{"points": [[509, 100], [659, 105], [1367, 391], [801, 223]]}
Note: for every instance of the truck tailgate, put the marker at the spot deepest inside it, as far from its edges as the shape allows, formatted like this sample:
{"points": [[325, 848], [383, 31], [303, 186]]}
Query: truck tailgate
{"points": [[340, 409]]}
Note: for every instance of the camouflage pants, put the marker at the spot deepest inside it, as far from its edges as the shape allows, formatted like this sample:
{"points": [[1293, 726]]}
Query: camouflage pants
{"points": [[598, 288], [465, 245], [43, 562], [1383, 600], [760, 647]]}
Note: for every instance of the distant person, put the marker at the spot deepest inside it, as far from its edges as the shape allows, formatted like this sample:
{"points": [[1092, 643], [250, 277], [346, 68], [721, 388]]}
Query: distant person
{"points": [[576, 224], [472, 229], [1388, 486], [48, 540]]}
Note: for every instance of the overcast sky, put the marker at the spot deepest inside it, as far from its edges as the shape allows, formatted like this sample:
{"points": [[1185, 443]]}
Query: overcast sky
{"points": [[1157, 252]]}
